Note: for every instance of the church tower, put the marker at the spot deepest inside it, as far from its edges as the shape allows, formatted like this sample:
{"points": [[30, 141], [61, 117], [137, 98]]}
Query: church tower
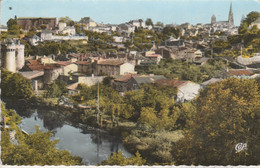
{"points": [[213, 20], [230, 16]]}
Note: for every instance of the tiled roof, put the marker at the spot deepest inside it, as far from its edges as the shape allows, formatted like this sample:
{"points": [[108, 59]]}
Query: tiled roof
{"points": [[31, 74], [126, 77], [63, 63], [113, 62], [82, 63], [174, 83], [52, 66], [34, 65], [240, 72]]}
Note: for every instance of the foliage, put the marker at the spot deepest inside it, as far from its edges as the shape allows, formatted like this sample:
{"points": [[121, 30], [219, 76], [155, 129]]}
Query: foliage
{"points": [[11, 118], [67, 20], [35, 149], [13, 27], [159, 24], [149, 22], [170, 31], [183, 70], [250, 34], [56, 89], [155, 147], [227, 113], [119, 159], [220, 45], [159, 99], [15, 86], [251, 17], [51, 47]]}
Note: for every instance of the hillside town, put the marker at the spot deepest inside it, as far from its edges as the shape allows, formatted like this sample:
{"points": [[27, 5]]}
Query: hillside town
{"points": [[99, 71]]}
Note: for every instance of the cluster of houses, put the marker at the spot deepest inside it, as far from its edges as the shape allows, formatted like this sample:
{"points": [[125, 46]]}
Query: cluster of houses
{"points": [[91, 69]]}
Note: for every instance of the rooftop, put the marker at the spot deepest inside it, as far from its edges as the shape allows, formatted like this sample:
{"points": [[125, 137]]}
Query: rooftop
{"points": [[31, 74], [113, 62], [82, 63], [173, 82], [126, 77], [63, 63], [52, 66], [240, 72]]}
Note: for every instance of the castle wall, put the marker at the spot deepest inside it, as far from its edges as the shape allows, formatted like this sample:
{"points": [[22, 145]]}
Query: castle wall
{"points": [[29, 23]]}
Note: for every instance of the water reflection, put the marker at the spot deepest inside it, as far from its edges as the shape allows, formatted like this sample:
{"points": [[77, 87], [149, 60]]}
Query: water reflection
{"points": [[93, 145]]}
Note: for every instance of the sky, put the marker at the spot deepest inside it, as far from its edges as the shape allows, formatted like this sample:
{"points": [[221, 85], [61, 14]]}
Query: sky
{"points": [[121, 11]]}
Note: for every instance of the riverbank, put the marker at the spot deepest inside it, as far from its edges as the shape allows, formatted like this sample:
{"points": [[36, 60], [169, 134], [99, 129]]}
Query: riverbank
{"points": [[154, 145]]}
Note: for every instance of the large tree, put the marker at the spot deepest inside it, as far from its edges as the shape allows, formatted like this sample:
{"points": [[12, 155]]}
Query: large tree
{"points": [[228, 113], [15, 86], [35, 149]]}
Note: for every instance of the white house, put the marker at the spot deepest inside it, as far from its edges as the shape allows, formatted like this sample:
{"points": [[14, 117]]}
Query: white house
{"points": [[187, 90], [69, 30], [118, 39], [34, 40]]}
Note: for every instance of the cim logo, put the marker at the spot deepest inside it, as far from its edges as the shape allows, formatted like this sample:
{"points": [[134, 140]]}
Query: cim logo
{"points": [[240, 147]]}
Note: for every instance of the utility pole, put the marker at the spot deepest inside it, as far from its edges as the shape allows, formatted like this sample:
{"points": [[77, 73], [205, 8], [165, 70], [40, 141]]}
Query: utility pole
{"points": [[98, 113], [97, 108]]}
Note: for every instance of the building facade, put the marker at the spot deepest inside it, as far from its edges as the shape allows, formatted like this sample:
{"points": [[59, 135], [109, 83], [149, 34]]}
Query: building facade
{"points": [[28, 23]]}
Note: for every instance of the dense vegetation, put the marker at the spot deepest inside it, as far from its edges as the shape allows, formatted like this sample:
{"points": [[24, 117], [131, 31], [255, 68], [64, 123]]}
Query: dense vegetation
{"points": [[15, 86], [178, 69], [119, 159], [227, 113], [249, 36], [55, 89], [48, 48], [35, 149]]}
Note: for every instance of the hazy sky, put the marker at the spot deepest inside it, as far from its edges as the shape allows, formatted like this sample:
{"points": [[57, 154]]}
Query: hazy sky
{"points": [[120, 11]]}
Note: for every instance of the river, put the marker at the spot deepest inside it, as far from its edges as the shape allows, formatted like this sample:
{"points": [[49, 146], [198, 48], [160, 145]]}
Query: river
{"points": [[91, 144]]}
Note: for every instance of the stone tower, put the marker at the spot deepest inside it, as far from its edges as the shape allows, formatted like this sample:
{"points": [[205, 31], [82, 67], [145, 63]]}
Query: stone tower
{"points": [[8, 55], [19, 56], [230, 16], [12, 55], [213, 19]]}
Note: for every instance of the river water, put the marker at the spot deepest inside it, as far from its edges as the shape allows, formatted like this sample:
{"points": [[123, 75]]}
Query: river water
{"points": [[91, 144]]}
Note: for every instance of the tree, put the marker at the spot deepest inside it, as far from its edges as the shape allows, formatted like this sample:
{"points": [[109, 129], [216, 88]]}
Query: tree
{"points": [[56, 89], [220, 45], [15, 86], [13, 27], [35, 149], [159, 24], [119, 159], [227, 113], [149, 22]]}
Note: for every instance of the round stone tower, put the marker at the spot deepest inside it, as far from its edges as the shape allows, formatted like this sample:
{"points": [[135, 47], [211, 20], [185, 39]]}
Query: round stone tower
{"points": [[19, 56], [8, 55]]}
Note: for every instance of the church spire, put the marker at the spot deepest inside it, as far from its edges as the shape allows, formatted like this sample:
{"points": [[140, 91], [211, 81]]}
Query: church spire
{"points": [[230, 16]]}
